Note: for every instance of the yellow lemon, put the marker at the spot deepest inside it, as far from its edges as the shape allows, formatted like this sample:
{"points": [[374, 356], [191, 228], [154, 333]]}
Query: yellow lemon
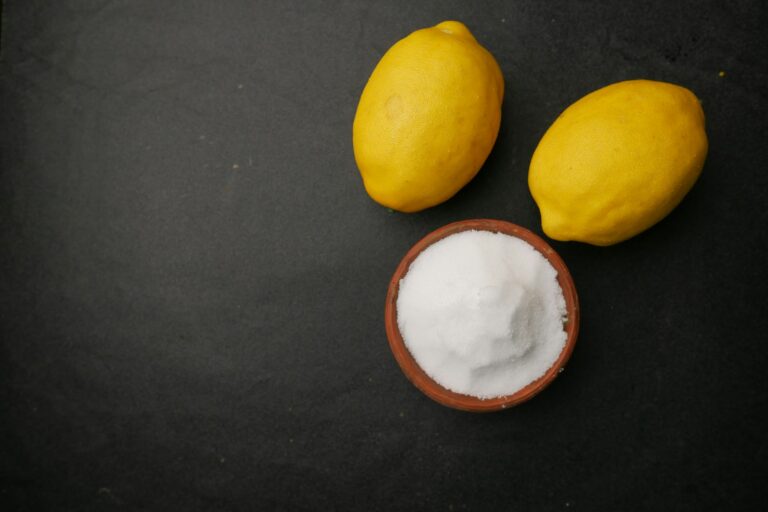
{"points": [[618, 161], [427, 118]]}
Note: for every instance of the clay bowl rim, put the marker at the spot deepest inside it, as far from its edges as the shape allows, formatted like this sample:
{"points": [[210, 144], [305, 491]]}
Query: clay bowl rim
{"points": [[432, 389]]}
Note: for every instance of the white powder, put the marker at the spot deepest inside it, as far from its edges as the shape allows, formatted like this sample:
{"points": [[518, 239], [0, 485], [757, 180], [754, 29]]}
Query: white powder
{"points": [[482, 313]]}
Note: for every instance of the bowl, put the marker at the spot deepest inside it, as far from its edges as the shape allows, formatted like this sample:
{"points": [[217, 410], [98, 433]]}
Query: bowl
{"points": [[432, 389]]}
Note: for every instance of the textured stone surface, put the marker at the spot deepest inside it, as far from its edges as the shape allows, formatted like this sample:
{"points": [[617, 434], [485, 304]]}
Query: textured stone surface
{"points": [[192, 278]]}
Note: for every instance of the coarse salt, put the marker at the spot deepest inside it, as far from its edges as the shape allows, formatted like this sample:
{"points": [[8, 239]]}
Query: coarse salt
{"points": [[482, 313]]}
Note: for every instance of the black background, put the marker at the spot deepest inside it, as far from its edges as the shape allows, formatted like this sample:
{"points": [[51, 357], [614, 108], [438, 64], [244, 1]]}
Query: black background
{"points": [[193, 277]]}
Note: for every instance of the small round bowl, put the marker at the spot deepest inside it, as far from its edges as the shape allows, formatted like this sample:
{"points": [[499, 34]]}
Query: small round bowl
{"points": [[466, 402]]}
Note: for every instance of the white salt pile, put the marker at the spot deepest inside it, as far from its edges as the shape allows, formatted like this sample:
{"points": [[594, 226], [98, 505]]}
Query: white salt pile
{"points": [[482, 313]]}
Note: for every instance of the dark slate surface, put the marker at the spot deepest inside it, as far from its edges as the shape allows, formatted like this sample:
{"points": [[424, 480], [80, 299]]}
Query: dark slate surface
{"points": [[192, 277]]}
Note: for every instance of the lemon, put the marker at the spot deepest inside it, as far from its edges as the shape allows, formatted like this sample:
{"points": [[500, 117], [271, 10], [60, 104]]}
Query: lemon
{"points": [[618, 161], [427, 118]]}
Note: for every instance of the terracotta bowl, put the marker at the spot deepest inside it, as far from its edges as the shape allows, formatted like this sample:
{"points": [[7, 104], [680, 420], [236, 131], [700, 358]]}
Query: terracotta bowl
{"points": [[465, 402]]}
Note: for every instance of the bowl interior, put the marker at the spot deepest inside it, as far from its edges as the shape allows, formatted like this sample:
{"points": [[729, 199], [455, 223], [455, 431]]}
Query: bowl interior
{"points": [[465, 402]]}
